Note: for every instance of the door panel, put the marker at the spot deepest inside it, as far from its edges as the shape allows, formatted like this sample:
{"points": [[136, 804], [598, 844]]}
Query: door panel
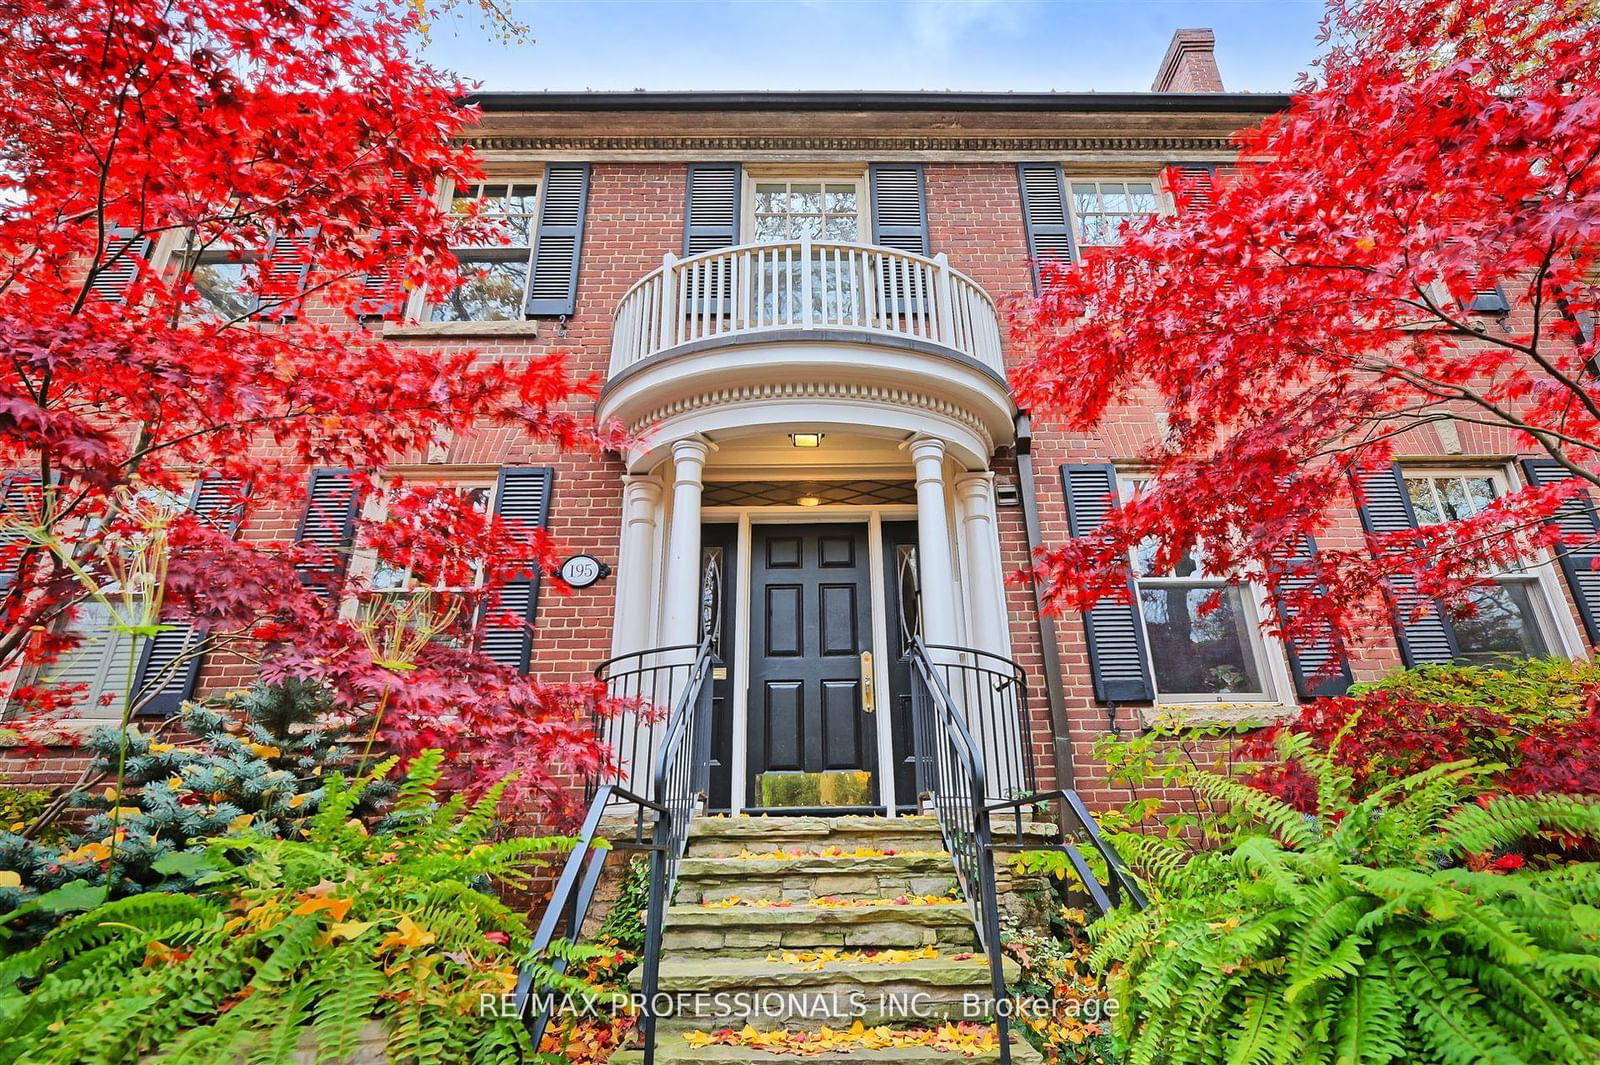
{"points": [[811, 742], [902, 593], [718, 547]]}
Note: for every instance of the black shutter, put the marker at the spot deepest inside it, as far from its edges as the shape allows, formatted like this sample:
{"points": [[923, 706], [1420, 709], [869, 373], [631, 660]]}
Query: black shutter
{"points": [[283, 275], [899, 208], [553, 288], [383, 293], [220, 502], [711, 208], [523, 500], [126, 253], [1426, 636], [21, 497], [1118, 659], [1044, 215], [329, 525], [1309, 658], [1193, 185], [1578, 520]]}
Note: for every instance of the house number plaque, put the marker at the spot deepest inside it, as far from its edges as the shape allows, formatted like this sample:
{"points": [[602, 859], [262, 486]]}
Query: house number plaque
{"points": [[580, 571]]}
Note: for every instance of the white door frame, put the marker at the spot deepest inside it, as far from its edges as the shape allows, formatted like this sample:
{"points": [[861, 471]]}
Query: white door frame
{"points": [[747, 518]]}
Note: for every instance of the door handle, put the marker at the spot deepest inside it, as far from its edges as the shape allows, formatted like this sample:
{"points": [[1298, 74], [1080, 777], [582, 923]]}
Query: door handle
{"points": [[869, 698]]}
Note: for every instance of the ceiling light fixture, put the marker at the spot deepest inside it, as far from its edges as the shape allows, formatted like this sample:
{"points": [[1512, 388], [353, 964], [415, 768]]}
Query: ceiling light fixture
{"points": [[806, 439], [809, 501]]}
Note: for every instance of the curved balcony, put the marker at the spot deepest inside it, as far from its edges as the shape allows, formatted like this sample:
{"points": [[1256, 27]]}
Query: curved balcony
{"points": [[804, 315]]}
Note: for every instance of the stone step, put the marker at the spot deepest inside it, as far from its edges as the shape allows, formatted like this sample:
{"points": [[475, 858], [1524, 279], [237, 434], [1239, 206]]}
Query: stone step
{"points": [[731, 992], [717, 837], [805, 877], [673, 1049], [692, 931]]}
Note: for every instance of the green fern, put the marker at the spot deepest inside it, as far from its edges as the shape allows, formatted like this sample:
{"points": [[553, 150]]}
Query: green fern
{"points": [[1361, 936], [296, 946]]}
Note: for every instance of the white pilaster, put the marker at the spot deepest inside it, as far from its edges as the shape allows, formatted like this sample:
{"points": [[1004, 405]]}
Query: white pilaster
{"points": [[985, 587], [681, 609], [933, 542], [636, 564]]}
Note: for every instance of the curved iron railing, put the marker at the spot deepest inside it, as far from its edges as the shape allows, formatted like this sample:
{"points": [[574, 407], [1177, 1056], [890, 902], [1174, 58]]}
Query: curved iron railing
{"points": [[952, 689], [991, 693], [950, 776], [646, 683], [681, 770]]}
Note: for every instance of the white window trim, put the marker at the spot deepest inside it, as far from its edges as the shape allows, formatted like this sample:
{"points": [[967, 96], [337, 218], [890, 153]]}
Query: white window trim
{"points": [[419, 306], [364, 559], [844, 176], [1272, 660], [1165, 204], [1557, 625]]}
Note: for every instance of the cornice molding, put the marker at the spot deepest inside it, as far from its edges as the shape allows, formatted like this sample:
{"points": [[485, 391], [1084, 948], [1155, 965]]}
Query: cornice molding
{"points": [[801, 390], [729, 144]]}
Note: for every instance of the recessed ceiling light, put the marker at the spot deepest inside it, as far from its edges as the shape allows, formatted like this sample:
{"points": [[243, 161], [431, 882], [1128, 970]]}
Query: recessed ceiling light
{"points": [[809, 501], [806, 439]]}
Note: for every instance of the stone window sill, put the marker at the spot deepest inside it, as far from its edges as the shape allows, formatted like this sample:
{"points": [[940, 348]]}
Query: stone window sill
{"points": [[1201, 715], [459, 330]]}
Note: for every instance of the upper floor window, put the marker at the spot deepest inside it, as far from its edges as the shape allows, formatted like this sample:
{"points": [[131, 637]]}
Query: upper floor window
{"points": [[494, 275], [219, 277], [1510, 615], [1202, 630], [819, 209], [1101, 208]]}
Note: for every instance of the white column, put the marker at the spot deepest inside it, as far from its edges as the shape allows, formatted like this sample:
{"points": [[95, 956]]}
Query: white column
{"points": [[681, 609], [933, 542], [636, 569], [985, 591]]}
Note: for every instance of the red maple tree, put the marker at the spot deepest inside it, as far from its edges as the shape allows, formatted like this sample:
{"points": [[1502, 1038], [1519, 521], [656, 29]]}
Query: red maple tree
{"points": [[1337, 289], [146, 146]]}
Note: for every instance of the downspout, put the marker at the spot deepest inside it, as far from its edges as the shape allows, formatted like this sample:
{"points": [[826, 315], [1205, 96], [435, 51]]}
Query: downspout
{"points": [[1049, 649]]}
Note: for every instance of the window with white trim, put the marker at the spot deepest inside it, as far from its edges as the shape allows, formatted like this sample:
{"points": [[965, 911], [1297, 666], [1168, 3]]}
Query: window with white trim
{"points": [[395, 596], [1101, 208], [494, 275], [819, 208], [1202, 629], [1511, 615]]}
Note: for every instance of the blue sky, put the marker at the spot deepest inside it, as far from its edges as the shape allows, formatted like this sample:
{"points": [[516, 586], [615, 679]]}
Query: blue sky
{"points": [[1067, 45]]}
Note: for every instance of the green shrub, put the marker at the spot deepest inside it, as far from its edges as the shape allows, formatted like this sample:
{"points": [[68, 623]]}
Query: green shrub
{"points": [[289, 937], [254, 763], [1539, 690], [1369, 931]]}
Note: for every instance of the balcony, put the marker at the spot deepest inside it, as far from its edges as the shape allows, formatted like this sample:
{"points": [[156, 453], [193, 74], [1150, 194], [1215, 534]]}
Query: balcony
{"points": [[759, 324]]}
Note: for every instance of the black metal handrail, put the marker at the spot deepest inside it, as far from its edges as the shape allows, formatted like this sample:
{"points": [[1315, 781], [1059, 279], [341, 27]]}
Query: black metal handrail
{"points": [[950, 774], [1106, 895], [681, 781], [643, 684], [991, 692], [660, 829]]}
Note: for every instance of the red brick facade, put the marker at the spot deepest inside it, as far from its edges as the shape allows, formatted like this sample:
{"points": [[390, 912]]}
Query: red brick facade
{"points": [[969, 152]]}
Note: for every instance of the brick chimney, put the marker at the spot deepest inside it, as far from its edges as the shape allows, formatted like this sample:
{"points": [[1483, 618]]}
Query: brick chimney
{"points": [[1190, 64]]}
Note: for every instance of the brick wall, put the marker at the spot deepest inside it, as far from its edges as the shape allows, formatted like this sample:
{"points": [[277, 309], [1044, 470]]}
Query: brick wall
{"points": [[635, 215]]}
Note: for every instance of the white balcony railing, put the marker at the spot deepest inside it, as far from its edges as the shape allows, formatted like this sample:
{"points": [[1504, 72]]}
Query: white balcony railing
{"points": [[760, 288]]}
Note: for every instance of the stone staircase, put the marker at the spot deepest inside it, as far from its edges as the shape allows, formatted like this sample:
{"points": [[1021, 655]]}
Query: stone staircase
{"points": [[793, 924]]}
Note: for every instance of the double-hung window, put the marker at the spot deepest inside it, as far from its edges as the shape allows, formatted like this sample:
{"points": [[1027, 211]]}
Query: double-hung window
{"points": [[397, 596], [817, 208], [1202, 630], [1101, 208], [221, 276], [1511, 614], [494, 273]]}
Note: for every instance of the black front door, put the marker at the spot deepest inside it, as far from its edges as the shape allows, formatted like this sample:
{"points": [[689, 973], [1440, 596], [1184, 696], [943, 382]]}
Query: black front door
{"points": [[812, 734]]}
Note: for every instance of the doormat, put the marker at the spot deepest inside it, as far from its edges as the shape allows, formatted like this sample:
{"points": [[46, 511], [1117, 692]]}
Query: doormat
{"points": [[833, 787]]}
